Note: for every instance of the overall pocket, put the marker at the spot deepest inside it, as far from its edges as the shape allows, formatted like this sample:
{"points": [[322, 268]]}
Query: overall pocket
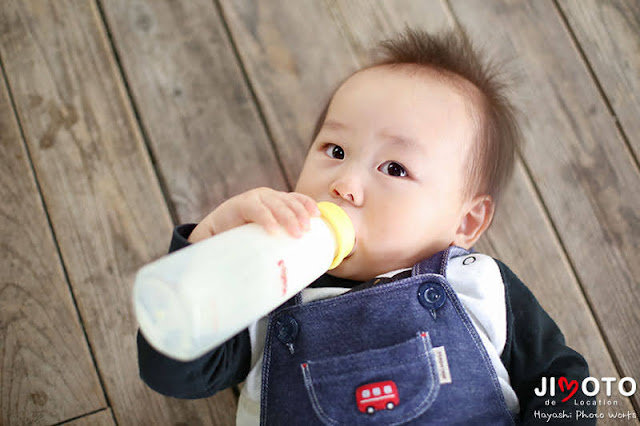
{"points": [[390, 385]]}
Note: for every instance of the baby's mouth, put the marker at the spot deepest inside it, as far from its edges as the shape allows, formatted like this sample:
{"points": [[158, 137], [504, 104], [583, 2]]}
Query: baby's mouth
{"points": [[353, 250]]}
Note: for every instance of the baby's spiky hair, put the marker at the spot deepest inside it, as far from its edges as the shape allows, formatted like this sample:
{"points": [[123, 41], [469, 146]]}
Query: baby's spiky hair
{"points": [[452, 57]]}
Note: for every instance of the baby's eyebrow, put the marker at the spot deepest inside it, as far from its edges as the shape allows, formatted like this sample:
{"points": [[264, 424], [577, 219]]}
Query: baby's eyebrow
{"points": [[403, 141], [334, 125], [390, 138]]}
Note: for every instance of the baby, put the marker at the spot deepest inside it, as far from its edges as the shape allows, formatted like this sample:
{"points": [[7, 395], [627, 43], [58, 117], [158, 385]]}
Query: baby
{"points": [[413, 326]]}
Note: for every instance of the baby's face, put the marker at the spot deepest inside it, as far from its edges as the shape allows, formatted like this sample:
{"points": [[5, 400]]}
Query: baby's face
{"points": [[391, 152]]}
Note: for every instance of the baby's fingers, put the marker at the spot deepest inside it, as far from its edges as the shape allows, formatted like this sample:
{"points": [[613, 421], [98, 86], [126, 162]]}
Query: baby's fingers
{"points": [[285, 215], [262, 214], [297, 206], [309, 203]]}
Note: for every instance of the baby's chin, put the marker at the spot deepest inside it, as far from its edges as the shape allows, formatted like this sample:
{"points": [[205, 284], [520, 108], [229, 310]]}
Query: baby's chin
{"points": [[353, 268], [350, 276]]}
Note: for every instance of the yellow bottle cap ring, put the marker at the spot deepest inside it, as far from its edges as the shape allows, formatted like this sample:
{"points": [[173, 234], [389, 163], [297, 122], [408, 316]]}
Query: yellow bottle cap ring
{"points": [[342, 227]]}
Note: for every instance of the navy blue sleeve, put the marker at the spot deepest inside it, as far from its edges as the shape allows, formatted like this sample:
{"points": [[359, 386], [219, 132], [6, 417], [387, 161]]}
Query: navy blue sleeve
{"points": [[536, 349], [222, 367]]}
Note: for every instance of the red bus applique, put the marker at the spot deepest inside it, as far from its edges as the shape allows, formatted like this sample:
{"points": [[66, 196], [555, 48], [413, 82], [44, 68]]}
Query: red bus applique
{"points": [[377, 396]]}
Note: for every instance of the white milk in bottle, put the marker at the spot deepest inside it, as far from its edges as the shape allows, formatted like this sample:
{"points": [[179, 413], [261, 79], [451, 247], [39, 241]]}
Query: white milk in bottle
{"points": [[194, 299]]}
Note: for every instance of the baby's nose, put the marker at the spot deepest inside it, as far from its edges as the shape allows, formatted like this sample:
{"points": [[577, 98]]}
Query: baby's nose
{"points": [[348, 196], [348, 190]]}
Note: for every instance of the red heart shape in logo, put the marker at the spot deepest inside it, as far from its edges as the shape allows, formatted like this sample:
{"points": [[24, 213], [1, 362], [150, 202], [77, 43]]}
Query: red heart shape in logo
{"points": [[564, 383]]}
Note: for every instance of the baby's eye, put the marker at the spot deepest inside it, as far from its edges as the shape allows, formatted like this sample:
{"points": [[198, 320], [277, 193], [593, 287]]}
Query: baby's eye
{"points": [[392, 168], [334, 151]]}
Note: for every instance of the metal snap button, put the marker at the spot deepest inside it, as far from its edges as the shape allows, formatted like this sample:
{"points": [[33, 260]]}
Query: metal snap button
{"points": [[431, 295], [286, 328], [469, 260]]}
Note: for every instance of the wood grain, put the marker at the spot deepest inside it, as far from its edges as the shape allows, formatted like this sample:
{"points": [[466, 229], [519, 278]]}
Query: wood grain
{"points": [[293, 64], [609, 35], [99, 187], [364, 23], [579, 249], [101, 418], [46, 371], [581, 167], [193, 101], [539, 261]]}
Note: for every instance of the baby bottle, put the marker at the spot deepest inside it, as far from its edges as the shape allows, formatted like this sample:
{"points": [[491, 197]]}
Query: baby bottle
{"points": [[194, 299]]}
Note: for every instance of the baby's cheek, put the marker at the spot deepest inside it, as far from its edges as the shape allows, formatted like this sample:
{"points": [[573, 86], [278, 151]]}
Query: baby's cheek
{"points": [[392, 225]]}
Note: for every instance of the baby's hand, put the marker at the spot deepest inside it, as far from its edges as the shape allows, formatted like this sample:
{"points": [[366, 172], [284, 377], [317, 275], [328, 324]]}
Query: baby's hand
{"points": [[264, 206]]}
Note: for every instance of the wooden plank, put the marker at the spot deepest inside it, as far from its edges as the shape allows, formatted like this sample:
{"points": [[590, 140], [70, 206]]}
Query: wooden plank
{"points": [[101, 418], [223, 148], [193, 101], [294, 63], [46, 372], [364, 24], [609, 36], [99, 187], [582, 168], [539, 261]]}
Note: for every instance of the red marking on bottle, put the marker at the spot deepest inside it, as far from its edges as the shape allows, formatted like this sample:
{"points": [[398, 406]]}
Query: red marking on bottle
{"points": [[304, 365], [283, 276]]}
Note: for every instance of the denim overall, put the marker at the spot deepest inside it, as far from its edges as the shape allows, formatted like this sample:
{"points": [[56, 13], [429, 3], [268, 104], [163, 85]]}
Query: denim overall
{"points": [[368, 357]]}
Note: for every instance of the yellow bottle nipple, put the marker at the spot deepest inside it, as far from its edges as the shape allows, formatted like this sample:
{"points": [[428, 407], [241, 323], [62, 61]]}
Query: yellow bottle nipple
{"points": [[339, 222]]}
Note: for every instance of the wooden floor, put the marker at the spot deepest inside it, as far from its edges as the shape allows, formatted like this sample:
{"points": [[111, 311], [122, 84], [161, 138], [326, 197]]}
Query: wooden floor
{"points": [[121, 118]]}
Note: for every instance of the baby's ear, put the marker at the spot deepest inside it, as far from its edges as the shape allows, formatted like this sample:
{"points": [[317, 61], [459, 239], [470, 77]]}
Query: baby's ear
{"points": [[476, 220]]}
